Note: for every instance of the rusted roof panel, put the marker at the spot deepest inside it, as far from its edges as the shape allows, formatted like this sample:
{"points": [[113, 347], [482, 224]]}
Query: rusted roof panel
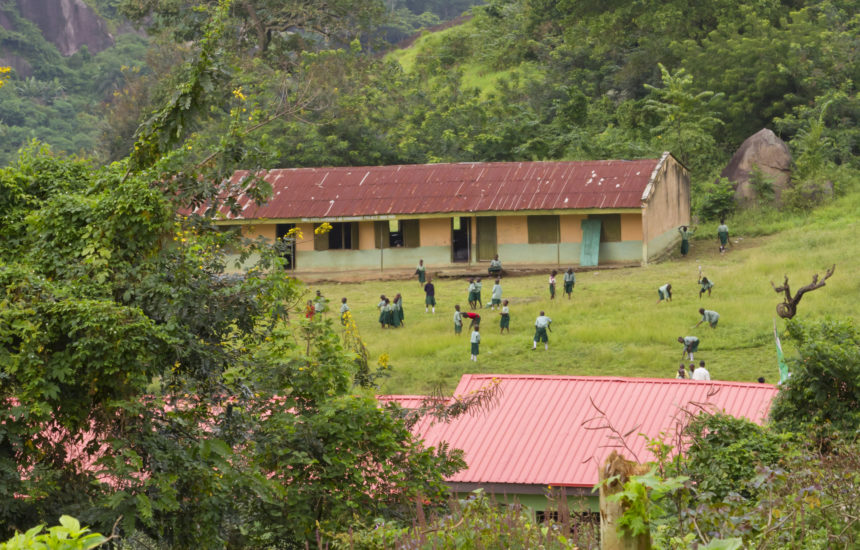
{"points": [[450, 188], [535, 433]]}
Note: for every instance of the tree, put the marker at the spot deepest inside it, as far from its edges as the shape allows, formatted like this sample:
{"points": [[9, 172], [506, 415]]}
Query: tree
{"points": [[823, 392], [686, 120]]}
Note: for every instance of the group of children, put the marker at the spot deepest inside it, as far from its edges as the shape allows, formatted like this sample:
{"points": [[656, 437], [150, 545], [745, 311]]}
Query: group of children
{"points": [[390, 311]]}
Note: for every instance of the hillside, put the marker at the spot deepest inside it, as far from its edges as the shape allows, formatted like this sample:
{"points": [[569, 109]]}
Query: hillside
{"points": [[612, 326]]}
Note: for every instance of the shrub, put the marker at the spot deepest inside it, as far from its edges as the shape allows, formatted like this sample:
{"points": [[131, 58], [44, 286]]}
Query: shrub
{"points": [[718, 200]]}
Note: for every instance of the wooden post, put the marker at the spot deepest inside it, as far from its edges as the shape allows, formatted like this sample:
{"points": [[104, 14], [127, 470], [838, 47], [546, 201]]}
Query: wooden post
{"points": [[610, 538]]}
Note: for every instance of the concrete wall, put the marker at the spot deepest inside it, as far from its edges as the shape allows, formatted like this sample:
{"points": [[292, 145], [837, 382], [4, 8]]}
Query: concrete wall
{"points": [[570, 227], [366, 236], [512, 230], [435, 232], [668, 205], [306, 243], [266, 231]]}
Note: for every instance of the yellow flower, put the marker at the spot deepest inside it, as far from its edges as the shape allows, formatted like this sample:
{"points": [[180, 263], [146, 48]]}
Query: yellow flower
{"points": [[238, 93]]}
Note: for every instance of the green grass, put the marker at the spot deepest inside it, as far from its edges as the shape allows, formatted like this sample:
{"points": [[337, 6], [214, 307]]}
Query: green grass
{"points": [[613, 326]]}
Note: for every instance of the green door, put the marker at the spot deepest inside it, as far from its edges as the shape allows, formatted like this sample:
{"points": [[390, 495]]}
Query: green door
{"points": [[486, 238], [590, 249]]}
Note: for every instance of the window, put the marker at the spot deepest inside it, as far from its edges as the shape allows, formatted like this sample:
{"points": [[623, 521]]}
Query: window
{"points": [[343, 236], [543, 229], [397, 234], [610, 227]]}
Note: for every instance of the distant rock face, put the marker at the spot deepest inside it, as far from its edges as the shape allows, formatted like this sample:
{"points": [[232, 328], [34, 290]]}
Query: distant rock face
{"points": [[68, 24], [770, 154]]}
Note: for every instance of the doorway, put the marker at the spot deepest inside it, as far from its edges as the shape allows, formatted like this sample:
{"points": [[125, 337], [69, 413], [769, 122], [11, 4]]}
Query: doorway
{"points": [[486, 238], [460, 239]]}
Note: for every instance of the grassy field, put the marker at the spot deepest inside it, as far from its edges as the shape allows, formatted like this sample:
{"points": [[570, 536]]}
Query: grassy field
{"points": [[612, 326]]}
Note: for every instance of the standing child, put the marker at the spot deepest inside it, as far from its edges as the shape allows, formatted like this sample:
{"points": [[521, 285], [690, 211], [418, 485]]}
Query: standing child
{"points": [[458, 320], [723, 234], [383, 311], [496, 295], [505, 319], [429, 296], [397, 311], [475, 340], [552, 284], [320, 302], [686, 233], [664, 293], [472, 298], [569, 282], [542, 324], [478, 287], [344, 309], [420, 272]]}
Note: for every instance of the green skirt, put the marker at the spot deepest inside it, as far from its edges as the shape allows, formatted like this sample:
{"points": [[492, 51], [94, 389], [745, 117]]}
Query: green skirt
{"points": [[685, 247], [430, 300], [505, 321], [568, 287], [421, 278], [497, 301], [458, 328], [552, 290], [724, 238], [475, 348], [540, 335], [473, 297]]}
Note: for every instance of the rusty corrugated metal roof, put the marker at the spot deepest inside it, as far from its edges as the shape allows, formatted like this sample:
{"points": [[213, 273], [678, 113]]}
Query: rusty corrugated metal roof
{"points": [[322, 193], [535, 434]]}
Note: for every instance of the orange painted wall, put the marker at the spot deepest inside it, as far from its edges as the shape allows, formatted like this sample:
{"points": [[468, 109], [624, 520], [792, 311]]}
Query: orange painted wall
{"points": [[512, 230], [570, 227], [307, 242], [631, 227], [669, 205], [366, 236], [435, 231], [266, 230]]}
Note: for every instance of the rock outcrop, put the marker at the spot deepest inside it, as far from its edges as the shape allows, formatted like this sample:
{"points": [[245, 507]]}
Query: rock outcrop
{"points": [[772, 156], [68, 24]]}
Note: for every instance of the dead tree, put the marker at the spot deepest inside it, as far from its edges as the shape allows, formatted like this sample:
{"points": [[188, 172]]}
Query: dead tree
{"points": [[788, 308]]}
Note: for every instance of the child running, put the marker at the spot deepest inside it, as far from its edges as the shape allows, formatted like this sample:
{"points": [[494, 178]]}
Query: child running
{"points": [[429, 296], [496, 295], [569, 282], [712, 317], [542, 325], [475, 341], [552, 284], [664, 293], [505, 319], [691, 345], [458, 320]]}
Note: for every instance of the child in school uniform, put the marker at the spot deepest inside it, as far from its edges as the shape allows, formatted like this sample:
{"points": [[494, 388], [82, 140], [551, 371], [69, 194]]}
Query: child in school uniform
{"points": [[475, 341], [344, 309], [569, 282], [420, 271], [478, 287], [552, 284], [496, 295], [472, 297], [383, 311], [429, 296], [664, 293], [398, 311], [458, 320], [505, 319]]}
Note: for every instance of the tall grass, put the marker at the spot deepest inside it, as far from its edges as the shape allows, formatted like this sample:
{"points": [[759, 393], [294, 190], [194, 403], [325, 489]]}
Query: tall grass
{"points": [[613, 327]]}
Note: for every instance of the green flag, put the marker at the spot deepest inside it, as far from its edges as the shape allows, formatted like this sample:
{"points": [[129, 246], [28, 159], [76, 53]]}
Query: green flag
{"points": [[780, 358]]}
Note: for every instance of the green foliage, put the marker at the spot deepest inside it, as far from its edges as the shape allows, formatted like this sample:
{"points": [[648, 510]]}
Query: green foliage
{"points": [[716, 200], [69, 535], [725, 452], [823, 392], [474, 522], [762, 185], [641, 497]]}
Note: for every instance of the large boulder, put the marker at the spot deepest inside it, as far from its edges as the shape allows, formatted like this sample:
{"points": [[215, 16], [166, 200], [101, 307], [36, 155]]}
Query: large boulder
{"points": [[770, 154], [68, 24]]}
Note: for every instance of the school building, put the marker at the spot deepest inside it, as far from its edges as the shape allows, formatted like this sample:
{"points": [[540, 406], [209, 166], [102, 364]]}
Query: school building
{"points": [[544, 433], [529, 213]]}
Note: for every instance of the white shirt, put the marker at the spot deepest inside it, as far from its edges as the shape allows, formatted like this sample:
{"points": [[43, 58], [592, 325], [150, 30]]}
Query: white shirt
{"points": [[542, 321], [701, 373], [476, 337]]}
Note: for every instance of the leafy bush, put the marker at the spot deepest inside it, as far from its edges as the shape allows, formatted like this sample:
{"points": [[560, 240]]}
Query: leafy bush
{"points": [[823, 393], [718, 200], [69, 535]]}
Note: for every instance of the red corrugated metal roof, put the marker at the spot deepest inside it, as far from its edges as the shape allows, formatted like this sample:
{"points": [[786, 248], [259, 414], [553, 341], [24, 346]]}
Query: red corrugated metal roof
{"points": [[535, 433], [313, 193]]}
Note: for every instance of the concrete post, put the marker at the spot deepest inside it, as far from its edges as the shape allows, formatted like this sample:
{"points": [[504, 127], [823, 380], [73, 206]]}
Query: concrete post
{"points": [[610, 512]]}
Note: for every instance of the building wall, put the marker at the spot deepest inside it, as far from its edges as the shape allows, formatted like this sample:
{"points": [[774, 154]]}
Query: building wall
{"points": [[306, 243], [570, 227], [667, 208], [512, 230], [266, 230], [631, 227], [366, 236], [435, 231]]}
